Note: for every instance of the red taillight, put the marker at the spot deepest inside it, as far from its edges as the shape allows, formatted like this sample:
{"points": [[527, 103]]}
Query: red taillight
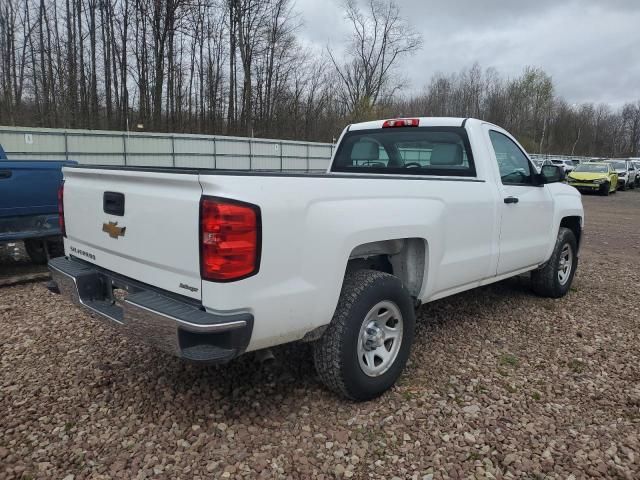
{"points": [[229, 239], [61, 224], [401, 122]]}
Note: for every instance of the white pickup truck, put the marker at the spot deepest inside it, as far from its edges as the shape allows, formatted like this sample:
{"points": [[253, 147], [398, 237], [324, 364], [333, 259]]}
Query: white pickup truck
{"points": [[209, 264]]}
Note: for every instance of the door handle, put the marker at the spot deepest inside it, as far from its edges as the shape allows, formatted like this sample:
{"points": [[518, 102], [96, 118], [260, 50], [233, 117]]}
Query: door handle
{"points": [[5, 173], [511, 200]]}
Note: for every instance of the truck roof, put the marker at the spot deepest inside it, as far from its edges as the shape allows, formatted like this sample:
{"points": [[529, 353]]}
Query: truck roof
{"points": [[423, 122]]}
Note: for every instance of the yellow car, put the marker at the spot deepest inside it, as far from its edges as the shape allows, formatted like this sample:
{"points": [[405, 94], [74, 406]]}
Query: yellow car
{"points": [[594, 177]]}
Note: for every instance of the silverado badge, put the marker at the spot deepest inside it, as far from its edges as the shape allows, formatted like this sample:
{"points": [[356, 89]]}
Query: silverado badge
{"points": [[113, 229]]}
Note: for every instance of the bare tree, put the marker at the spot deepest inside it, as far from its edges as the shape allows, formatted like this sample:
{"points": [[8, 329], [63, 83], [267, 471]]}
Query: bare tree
{"points": [[237, 66], [380, 37]]}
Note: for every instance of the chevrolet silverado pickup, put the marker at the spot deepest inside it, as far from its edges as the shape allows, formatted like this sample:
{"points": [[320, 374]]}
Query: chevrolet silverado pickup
{"points": [[209, 264]]}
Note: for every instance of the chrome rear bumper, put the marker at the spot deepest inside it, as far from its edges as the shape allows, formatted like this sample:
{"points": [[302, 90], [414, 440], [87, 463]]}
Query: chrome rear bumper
{"points": [[167, 322]]}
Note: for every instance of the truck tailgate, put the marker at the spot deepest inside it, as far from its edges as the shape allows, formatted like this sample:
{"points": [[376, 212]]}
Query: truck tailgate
{"points": [[153, 238]]}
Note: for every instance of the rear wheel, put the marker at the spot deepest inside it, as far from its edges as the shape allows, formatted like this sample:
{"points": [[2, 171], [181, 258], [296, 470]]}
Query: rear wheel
{"points": [[37, 250], [366, 346], [555, 277]]}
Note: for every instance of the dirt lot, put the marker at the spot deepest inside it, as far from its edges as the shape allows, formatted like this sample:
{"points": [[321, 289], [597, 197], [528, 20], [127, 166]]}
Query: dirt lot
{"points": [[500, 384]]}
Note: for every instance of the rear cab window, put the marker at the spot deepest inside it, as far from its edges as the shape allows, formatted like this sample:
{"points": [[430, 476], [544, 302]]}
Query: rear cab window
{"points": [[441, 151]]}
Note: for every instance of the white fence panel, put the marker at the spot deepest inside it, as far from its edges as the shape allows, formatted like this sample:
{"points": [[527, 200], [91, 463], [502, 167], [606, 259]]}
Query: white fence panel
{"points": [[95, 147], [265, 163], [38, 156], [150, 160], [98, 159], [33, 142], [233, 162], [195, 161]]}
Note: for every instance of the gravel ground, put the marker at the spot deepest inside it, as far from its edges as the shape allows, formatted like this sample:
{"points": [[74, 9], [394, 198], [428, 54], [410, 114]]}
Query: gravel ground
{"points": [[500, 384]]}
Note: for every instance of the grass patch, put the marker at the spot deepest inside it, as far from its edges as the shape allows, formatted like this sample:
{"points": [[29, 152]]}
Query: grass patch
{"points": [[577, 366], [509, 360], [536, 396], [480, 388], [510, 388], [473, 456]]}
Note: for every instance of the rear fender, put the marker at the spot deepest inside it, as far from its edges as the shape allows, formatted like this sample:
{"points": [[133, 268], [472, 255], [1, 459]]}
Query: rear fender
{"points": [[360, 222]]}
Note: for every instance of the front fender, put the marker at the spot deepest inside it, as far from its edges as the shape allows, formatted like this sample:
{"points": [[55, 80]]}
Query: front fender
{"points": [[567, 202]]}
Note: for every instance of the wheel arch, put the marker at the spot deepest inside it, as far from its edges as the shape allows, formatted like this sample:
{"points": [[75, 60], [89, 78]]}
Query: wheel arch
{"points": [[573, 223], [405, 258]]}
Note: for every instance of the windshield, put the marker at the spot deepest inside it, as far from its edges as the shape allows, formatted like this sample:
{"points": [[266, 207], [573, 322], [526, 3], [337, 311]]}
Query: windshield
{"points": [[406, 151], [618, 165], [591, 168]]}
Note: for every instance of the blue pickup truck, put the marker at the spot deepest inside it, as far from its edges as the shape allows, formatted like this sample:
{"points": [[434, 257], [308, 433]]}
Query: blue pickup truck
{"points": [[29, 205]]}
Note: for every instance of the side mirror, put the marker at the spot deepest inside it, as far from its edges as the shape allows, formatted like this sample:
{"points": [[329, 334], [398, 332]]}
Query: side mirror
{"points": [[552, 174]]}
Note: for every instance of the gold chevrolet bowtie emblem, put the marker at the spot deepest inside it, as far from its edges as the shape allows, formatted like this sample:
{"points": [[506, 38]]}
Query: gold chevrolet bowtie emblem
{"points": [[113, 229]]}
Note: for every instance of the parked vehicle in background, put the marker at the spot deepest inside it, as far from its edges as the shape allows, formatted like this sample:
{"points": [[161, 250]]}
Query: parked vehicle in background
{"points": [[636, 164], [566, 164], [540, 163], [594, 177], [208, 265], [29, 206], [626, 173]]}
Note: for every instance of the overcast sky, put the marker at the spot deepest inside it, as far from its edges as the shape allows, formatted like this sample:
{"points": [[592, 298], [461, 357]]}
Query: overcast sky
{"points": [[591, 48]]}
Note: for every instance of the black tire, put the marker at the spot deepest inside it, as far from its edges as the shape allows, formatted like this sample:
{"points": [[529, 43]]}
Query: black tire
{"points": [[545, 281], [335, 354], [605, 190], [56, 247], [35, 248]]}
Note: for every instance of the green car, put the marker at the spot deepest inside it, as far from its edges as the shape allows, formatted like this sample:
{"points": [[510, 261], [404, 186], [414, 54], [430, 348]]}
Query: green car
{"points": [[594, 177]]}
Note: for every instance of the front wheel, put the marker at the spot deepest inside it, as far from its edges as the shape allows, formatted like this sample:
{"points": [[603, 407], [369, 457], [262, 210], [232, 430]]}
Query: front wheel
{"points": [[555, 277], [605, 189], [366, 346]]}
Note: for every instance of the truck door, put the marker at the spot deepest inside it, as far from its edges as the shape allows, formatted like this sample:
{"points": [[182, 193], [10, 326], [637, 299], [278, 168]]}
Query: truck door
{"points": [[526, 219]]}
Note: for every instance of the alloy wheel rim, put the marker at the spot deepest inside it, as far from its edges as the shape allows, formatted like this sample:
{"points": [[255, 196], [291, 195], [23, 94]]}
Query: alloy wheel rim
{"points": [[380, 338], [566, 263]]}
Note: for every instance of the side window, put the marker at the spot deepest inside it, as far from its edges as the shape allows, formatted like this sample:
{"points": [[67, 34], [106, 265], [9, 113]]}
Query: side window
{"points": [[512, 162]]}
